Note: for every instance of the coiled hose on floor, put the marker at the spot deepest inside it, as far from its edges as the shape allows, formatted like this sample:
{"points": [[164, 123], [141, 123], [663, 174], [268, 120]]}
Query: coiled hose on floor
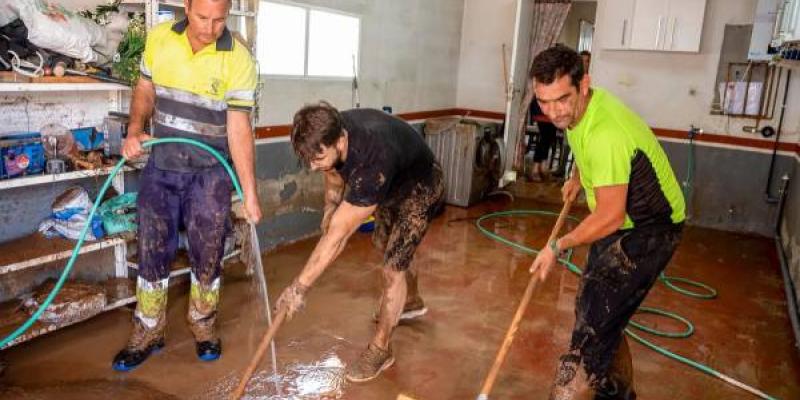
{"points": [[64, 274], [710, 293]]}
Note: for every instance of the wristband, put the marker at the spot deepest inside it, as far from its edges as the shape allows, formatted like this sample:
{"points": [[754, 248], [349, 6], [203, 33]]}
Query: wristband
{"points": [[554, 247]]}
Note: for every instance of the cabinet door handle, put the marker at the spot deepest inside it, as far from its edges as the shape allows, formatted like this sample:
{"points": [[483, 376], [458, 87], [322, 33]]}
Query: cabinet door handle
{"points": [[624, 29], [658, 32]]}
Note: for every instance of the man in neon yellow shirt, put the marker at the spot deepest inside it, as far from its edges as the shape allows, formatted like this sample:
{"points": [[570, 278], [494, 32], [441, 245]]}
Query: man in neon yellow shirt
{"points": [[637, 214], [196, 82]]}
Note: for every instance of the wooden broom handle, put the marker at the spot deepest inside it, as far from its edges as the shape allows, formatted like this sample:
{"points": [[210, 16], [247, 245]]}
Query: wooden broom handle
{"points": [[262, 348], [523, 305]]}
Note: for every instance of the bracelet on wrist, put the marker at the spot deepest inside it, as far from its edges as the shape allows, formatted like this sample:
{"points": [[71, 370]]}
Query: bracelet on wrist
{"points": [[554, 246]]}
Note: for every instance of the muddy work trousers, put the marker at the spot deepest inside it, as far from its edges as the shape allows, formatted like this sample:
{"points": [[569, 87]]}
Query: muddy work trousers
{"points": [[168, 200], [621, 269]]}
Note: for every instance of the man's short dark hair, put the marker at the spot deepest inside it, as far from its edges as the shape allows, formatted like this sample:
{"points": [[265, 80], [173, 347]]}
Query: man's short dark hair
{"points": [[315, 125], [556, 62], [586, 53]]}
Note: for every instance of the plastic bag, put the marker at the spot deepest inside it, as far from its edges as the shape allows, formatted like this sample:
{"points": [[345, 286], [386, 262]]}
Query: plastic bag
{"points": [[72, 35], [70, 215], [8, 13], [119, 214]]}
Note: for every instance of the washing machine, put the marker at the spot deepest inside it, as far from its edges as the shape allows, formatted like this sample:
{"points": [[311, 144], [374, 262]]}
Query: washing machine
{"points": [[471, 155]]}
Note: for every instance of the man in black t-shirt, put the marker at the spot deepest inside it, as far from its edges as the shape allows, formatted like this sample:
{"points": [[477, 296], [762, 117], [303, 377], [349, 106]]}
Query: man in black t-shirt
{"points": [[373, 163]]}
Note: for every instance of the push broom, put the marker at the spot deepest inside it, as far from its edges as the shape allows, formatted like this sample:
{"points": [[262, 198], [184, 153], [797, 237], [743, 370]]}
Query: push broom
{"points": [[274, 324], [523, 306]]}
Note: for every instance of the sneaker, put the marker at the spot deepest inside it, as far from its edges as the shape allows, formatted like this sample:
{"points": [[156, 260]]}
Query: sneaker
{"points": [[208, 350], [128, 359], [413, 309], [369, 364]]}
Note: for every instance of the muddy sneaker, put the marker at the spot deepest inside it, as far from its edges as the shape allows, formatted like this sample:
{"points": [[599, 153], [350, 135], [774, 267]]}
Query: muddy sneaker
{"points": [[369, 364], [413, 309], [209, 350], [128, 359]]}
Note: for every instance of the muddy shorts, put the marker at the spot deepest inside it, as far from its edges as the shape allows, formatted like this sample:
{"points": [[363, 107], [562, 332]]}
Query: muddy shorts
{"points": [[620, 271], [402, 220]]}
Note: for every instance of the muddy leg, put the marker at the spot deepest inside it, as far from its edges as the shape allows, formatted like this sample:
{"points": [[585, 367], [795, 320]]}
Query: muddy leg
{"points": [[619, 384], [206, 210], [412, 289], [392, 301]]}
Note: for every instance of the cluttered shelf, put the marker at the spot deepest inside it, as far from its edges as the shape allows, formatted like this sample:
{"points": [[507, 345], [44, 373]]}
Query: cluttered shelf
{"points": [[84, 301], [35, 249], [50, 178], [16, 87]]}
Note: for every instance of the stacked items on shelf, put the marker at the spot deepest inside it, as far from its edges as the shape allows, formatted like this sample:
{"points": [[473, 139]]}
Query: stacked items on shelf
{"points": [[56, 149], [41, 41]]}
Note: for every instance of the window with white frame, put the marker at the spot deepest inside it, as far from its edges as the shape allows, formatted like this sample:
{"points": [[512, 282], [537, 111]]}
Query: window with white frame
{"points": [[295, 40]]}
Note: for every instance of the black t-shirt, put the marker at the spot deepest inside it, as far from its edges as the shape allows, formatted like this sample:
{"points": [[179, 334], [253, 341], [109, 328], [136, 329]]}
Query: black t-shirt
{"points": [[386, 157]]}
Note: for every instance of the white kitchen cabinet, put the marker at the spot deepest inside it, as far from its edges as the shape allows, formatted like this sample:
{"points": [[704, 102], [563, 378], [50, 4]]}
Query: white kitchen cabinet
{"points": [[617, 20], [647, 27], [790, 24], [653, 25], [684, 25]]}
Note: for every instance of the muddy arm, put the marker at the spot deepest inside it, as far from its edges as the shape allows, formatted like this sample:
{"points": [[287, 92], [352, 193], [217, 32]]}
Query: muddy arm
{"points": [[334, 190], [242, 147], [344, 222], [608, 216]]}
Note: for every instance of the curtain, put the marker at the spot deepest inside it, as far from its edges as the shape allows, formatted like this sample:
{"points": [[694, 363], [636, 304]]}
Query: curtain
{"points": [[548, 19]]}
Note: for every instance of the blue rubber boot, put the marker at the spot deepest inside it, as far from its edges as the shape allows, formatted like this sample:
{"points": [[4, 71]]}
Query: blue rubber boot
{"points": [[209, 350], [128, 359]]}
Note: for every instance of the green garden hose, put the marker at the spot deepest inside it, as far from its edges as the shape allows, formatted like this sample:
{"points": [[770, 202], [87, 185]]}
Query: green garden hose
{"points": [[64, 274], [566, 261]]}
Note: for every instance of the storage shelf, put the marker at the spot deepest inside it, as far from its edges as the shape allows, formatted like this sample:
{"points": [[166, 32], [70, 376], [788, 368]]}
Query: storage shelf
{"points": [[119, 292], [50, 178], [7, 87], [35, 249]]}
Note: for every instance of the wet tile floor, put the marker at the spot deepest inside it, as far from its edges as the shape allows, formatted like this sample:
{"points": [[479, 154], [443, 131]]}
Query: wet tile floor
{"points": [[472, 286]]}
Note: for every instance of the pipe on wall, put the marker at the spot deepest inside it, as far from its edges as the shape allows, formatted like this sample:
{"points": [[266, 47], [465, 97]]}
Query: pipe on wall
{"points": [[767, 190]]}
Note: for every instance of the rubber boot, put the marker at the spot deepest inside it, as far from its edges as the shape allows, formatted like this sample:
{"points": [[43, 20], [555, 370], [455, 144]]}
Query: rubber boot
{"points": [[202, 315], [149, 321]]}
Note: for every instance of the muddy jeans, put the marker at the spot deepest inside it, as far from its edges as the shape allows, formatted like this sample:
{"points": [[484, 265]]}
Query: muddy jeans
{"points": [[402, 220], [621, 269], [201, 202]]}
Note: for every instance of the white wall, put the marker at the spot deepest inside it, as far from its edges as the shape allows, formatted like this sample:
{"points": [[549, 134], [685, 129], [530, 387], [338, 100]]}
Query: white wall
{"points": [[659, 85], [487, 25], [29, 111], [409, 60]]}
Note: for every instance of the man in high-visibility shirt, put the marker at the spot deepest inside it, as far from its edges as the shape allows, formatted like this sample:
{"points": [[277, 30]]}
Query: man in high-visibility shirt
{"points": [[196, 82], [634, 227]]}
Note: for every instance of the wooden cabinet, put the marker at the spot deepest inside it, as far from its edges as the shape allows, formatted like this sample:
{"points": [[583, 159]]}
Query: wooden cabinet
{"points": [[653, 25]]}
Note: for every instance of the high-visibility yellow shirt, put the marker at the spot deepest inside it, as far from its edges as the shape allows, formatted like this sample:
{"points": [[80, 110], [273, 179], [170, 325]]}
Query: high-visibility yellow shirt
{"points": [[194, 92], [614, 146]]}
